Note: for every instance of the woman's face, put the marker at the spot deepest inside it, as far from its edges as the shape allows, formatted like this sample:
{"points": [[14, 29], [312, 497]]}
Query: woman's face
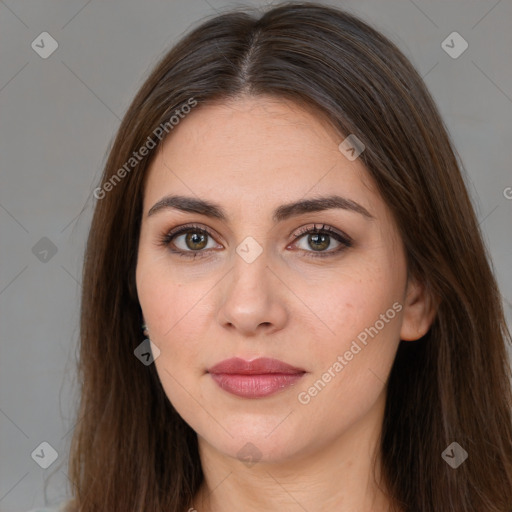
{"points": [[331, 305]]}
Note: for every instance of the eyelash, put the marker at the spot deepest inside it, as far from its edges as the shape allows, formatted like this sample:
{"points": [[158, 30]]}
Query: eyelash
{"points": [[344, 240]]}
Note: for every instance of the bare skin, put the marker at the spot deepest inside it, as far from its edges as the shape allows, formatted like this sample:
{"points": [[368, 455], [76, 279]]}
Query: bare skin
{"points": [[308, 450]]}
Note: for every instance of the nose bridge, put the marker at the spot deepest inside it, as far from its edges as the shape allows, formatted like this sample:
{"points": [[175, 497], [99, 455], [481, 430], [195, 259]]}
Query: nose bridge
{"points": [[250, 268], [250, 297]]}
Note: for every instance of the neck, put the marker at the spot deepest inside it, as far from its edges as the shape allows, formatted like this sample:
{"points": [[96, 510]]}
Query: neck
{"points": [[342, 475]]}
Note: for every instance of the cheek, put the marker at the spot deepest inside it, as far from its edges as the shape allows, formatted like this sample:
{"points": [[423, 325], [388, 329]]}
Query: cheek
{"points": [[171, 311], [176, 315], [351, 301], [353, 350], [164, 299]]}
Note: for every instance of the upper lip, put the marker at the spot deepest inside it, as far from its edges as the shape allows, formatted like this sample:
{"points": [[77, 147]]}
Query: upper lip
{"points": [[258, 366]]}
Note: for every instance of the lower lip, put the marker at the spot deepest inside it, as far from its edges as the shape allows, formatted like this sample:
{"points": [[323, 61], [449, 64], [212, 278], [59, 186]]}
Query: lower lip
{"points": [[255, 386]]}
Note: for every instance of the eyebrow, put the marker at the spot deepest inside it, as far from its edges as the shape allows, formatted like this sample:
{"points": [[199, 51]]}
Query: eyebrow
{"points": [[283, 212]]}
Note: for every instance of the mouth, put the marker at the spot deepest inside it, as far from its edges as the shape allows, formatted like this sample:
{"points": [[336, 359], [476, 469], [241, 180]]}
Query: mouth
{"points": [[254, 379]]}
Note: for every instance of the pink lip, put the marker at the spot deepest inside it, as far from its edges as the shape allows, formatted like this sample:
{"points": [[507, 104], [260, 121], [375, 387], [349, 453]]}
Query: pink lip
{"points": [[254, 379]]}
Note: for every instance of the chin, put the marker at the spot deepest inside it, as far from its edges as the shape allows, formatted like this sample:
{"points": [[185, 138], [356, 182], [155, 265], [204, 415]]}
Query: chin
{"points": [[256, 439]]}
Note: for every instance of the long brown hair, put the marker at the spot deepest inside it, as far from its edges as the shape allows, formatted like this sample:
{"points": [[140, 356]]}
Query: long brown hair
{"points": [[131, 451]]}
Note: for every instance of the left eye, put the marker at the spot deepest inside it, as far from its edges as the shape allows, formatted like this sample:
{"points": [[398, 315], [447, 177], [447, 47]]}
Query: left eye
{"points": [[320, 239]]}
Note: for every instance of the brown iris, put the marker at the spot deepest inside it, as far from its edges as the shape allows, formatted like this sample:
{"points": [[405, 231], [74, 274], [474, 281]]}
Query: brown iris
{"points": [[197, 239]]}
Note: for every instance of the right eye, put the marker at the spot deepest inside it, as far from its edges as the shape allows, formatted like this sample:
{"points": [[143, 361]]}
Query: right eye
{"points": [[194, 239]]}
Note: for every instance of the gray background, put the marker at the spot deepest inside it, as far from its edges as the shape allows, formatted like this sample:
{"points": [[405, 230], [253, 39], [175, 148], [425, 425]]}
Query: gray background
{"points": [[59, 116]]}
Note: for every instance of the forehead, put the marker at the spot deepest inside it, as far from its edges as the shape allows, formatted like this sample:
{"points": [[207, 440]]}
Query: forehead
{"points": [[255, 151], [254, 128]]}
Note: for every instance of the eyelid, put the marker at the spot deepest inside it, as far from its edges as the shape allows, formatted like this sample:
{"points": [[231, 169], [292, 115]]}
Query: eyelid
{"points": [[188, 227], [324, 228]]}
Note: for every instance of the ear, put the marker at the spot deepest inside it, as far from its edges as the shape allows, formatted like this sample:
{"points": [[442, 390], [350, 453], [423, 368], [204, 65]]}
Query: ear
{"points": [[144, 327], [419, 311]]}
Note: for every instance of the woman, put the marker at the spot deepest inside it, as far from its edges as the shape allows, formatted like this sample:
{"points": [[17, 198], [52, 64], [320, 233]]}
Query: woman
{"points": [[287, 304]]}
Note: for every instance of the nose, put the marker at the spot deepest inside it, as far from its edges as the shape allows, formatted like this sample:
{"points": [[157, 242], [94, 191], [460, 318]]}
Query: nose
{"points": [[253, 299]]}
